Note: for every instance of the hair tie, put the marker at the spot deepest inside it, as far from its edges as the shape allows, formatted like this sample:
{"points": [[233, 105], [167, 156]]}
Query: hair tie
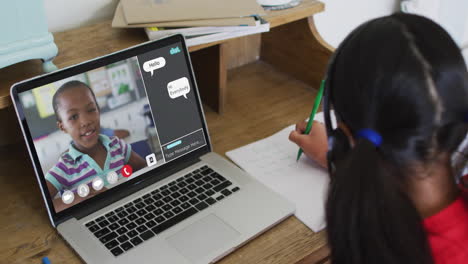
{"points": [[370, 135]]}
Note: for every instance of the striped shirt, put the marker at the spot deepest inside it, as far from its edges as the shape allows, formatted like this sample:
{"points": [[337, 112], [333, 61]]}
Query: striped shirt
{"points": [[75, 167]]}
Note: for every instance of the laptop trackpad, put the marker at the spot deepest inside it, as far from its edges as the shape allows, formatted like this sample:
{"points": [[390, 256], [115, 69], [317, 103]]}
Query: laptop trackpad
{"points": [[203, 237]]}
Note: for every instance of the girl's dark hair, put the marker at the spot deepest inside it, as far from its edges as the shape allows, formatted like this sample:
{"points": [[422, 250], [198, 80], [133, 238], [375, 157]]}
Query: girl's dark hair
{"points": [[404, 77], [67, 86]]}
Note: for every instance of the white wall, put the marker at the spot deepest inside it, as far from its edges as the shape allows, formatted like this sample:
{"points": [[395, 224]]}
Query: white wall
{"points": [[67, 14], [342, 16]]}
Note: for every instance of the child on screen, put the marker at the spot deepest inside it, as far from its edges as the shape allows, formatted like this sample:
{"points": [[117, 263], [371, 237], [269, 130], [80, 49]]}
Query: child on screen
{"points": [[91, 155]]}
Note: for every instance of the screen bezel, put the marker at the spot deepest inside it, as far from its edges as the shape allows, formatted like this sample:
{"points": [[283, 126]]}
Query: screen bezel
{"points": [[108, 196]]}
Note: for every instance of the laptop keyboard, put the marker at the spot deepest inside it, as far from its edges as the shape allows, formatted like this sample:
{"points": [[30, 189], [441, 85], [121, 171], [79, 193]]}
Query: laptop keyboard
{"points": [[141, 219]]}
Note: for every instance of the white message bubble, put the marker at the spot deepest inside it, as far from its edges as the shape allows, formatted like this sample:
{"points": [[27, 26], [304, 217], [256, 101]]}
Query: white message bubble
{"points": [[179, 87], [152, 65]]}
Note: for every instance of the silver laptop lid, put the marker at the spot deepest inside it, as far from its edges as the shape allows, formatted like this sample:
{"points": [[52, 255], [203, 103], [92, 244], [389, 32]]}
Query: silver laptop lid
{"points": [[105, 128]]}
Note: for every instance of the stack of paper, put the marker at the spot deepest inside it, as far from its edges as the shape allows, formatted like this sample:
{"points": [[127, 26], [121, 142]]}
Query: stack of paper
{"points": [[201, 35], [201, 21]]}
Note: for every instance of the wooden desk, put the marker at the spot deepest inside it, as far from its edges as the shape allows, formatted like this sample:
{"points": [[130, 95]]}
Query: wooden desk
{"points": [[261, 101], [256, 100]]}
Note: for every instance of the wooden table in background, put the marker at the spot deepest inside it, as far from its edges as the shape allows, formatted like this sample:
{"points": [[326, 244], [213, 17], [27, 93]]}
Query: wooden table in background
{"points": [[256, 100]]}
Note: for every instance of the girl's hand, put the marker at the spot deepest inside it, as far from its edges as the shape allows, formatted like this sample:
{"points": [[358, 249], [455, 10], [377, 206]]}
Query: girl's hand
{"points": [[314, 144]]}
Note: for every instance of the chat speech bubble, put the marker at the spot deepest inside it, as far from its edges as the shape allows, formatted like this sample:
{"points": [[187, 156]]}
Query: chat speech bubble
{"points": [[152, 65], [179, 87]]}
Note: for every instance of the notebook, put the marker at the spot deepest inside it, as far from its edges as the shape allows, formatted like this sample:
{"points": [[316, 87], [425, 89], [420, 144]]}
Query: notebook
{"points": [[272, 161]]}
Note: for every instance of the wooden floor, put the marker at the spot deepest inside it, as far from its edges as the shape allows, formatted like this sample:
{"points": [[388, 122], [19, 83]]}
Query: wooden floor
{"points": [[260, 102]]}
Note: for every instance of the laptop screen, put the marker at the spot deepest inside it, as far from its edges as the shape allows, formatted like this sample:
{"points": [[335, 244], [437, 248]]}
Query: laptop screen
{"points": [[99, 128]]}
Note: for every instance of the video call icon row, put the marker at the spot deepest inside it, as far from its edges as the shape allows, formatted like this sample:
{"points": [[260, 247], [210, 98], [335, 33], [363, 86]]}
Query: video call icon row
{"points": [[83, 189], [97, 183]]}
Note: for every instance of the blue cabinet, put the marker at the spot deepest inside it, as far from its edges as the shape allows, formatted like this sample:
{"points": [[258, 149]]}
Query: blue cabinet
{"points": [[24, 34]]}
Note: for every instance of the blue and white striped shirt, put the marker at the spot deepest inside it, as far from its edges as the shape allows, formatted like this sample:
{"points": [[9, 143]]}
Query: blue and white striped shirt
{"points": [[75, 167]]}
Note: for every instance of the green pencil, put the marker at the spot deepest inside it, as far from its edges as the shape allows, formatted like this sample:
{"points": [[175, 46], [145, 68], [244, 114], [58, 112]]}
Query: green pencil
{"points": [[312, 115]]}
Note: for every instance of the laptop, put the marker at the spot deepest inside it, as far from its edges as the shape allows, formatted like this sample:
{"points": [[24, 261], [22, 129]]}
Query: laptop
{"points": [[123, 158]]}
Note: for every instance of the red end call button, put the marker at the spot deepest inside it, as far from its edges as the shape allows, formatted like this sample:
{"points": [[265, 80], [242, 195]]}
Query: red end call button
{"points": [[127, 170]]}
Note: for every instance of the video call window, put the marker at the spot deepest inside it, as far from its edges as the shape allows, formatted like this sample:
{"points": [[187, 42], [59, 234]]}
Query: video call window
{"points": [[96, 130]]}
